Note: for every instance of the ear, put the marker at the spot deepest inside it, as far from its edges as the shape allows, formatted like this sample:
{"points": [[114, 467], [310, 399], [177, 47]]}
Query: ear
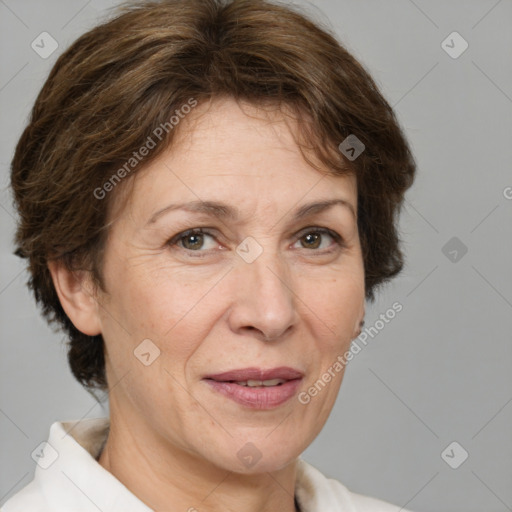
{"points": [[358, 327], [77, 297]]}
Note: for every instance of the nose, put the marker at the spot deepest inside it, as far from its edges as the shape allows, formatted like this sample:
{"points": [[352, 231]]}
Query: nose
{"points": [[263, 299]]}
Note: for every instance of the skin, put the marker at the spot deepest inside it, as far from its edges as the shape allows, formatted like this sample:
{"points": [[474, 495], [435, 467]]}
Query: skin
{"points": [[174, 441]]}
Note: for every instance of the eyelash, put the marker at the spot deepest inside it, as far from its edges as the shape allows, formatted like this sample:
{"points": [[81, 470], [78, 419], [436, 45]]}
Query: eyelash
{"points": [[205, 231]]}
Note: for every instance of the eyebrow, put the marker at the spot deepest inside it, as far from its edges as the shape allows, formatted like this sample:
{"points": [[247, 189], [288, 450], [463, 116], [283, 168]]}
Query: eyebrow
{"points": [[225, 212]]}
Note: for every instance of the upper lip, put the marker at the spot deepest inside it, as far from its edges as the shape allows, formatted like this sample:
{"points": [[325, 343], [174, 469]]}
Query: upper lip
{"points": [[243, 374]]}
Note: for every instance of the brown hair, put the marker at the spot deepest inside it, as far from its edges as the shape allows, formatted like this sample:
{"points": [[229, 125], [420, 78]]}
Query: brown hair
{"points": [[109, 92]]}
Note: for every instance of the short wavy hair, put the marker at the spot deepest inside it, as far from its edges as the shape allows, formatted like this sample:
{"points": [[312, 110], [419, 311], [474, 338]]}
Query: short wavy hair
{"points": [[123, 79]]}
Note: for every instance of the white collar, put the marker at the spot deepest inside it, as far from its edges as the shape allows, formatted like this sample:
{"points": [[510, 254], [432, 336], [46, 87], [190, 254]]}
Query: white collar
{"points": [[76, 482]]}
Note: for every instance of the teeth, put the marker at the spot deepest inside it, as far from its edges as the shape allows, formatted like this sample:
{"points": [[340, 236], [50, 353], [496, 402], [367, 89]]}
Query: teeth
{"points": [[257, 383]]}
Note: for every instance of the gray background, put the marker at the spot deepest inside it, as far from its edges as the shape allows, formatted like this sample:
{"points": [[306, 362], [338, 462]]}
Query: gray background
{"points": [[440, 371]]}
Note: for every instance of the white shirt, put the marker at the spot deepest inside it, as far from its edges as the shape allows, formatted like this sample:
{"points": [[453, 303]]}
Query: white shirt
{"points": [[74, 481]]}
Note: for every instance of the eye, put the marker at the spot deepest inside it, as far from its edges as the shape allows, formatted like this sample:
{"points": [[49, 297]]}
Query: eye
{"points": [[200, 240], [194, 240], [314, 238]]}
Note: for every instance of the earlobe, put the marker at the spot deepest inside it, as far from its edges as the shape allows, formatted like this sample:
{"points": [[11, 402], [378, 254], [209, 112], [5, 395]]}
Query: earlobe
{"points": [[359, 329], [77, 297], [359, 324]]}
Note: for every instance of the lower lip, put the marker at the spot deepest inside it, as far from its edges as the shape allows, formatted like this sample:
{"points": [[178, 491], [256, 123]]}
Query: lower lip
{"points": [[259, 397]]}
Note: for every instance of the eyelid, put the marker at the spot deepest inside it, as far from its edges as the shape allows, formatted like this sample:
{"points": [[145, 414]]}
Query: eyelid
{"points": [[297, 236], [320, 229], [338, 239], [192, 231]]}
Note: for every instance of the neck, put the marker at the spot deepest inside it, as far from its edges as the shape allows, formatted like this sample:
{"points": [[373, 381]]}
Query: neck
{"points": [[166, 477]]}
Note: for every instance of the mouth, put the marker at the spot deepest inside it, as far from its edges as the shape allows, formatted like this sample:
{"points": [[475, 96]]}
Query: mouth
{"points": [[259, 383], [256, 388]]}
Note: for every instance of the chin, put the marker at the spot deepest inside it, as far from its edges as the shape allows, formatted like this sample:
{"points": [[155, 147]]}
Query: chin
{"points": [[262, 454]]}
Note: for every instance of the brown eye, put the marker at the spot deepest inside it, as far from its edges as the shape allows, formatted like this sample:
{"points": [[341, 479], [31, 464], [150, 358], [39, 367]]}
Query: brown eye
{"points": [[312, 240], [320, 238], [193, 241]]}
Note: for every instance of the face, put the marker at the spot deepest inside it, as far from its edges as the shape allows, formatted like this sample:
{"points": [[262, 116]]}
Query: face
{"points": [[263, 282]]}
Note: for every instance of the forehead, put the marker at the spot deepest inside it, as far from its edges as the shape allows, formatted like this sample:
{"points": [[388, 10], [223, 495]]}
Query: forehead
{"points": [[244, 155]]}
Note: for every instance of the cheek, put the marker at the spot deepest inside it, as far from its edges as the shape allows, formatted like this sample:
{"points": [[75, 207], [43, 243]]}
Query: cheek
{"points": [[172, 308], [337, 303]]}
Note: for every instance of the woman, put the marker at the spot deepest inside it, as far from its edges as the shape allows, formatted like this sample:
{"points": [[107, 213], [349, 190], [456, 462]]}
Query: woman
{"points": [[208, 193]]}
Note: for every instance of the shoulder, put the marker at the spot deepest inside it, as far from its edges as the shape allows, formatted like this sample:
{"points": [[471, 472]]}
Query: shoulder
{"points": [[369, 504], [66, 458], [361, 503], [28, 499], [316, 492]]}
